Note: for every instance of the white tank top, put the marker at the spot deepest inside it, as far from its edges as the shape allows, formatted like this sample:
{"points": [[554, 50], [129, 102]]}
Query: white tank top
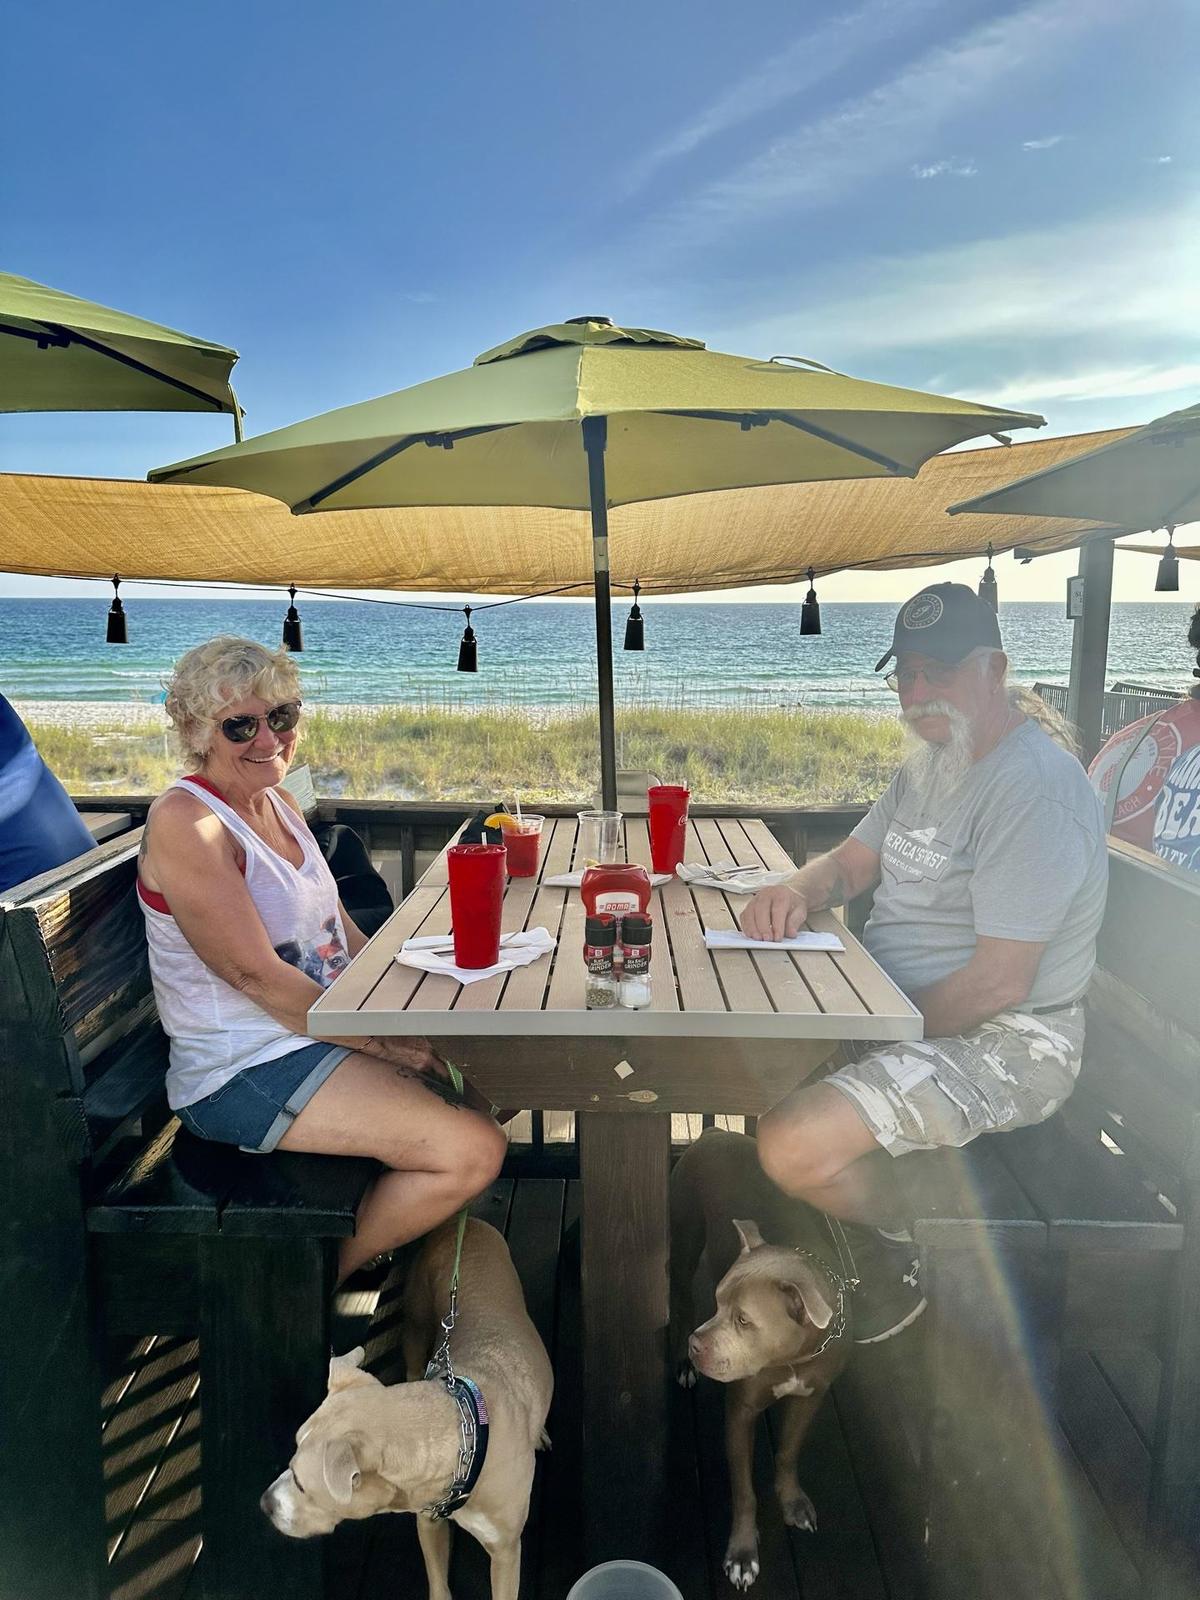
{"points": [[214, 1029]]}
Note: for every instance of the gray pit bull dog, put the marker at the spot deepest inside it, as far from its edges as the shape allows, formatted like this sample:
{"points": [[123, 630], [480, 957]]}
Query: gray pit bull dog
{"points": [[780, 1332], [370, 1447]]}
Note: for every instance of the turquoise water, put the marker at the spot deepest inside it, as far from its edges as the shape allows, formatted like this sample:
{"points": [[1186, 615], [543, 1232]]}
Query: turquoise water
{"points": [[543, 655]]}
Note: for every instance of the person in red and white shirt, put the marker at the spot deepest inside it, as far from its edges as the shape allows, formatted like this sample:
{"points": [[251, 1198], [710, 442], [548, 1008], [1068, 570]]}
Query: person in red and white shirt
{"points": [[1148, 776]]}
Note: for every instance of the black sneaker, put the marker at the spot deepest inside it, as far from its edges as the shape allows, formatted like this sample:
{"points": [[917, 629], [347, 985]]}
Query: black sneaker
{"points": [[888, 1297]]}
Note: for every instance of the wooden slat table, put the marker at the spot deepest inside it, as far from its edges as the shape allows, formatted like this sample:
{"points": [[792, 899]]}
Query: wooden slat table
{"points": [[729, 1031], [104, 825]]}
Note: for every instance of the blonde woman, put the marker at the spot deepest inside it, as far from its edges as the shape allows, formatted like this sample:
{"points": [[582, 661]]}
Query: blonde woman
{"points": [[245, 929]]}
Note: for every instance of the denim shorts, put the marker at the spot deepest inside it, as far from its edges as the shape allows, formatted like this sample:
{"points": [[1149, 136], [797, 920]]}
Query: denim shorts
{"points": [[259, 1104], [1010, 1072]]}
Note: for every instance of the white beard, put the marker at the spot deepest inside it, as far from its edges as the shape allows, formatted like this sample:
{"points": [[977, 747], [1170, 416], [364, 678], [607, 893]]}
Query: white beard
{"points": [[935, 771]]}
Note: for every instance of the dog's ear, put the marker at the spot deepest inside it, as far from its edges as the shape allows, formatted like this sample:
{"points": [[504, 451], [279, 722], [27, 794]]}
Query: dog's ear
{"points": [[346, 1371], [806, 1298], [748, 1233], [339, 1468]]}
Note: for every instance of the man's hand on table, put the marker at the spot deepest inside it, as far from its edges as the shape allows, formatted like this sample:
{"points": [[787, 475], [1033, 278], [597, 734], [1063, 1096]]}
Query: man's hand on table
{"points": [[775, 913]]}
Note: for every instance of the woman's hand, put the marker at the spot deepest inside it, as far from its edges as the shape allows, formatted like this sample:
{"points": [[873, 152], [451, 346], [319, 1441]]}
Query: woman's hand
{"points": [[414, 1055], [775, 913]]}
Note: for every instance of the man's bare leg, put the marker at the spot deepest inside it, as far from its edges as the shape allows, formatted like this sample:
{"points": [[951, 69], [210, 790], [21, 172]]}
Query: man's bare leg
{"points": [[815, 1147]]}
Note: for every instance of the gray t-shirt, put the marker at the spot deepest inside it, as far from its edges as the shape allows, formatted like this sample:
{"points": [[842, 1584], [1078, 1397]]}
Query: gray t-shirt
{"points": [[1017, 851]]}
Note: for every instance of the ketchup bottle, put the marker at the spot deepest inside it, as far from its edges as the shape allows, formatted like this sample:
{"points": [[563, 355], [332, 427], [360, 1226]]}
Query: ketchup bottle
{"points": [[616, 887]]}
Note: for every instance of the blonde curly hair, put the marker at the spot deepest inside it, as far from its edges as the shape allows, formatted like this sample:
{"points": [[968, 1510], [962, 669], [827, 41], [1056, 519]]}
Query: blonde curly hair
{"points": [[215, 675]]}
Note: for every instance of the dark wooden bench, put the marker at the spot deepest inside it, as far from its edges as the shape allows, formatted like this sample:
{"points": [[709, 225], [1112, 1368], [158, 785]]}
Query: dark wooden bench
{"points": [[1077, 1236], [116, 1221]]}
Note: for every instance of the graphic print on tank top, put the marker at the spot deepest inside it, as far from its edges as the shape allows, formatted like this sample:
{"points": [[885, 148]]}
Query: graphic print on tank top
{"points": [[320, 960]]}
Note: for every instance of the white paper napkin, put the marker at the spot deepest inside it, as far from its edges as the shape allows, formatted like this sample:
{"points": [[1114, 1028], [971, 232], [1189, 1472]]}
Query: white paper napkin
{"points": [[573, 880], [726, 875], [436, 954], [733, 939]]}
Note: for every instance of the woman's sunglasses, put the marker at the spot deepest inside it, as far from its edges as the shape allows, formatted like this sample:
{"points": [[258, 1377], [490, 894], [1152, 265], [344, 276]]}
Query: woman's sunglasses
{"points": [[280, 719]]}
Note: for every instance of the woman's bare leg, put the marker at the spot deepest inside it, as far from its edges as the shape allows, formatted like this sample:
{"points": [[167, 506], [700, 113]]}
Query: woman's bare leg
{"points": [[440, 1155]]}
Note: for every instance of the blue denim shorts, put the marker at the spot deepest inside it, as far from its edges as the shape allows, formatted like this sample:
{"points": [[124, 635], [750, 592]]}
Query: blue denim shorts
{"points": [[257, 1107]]}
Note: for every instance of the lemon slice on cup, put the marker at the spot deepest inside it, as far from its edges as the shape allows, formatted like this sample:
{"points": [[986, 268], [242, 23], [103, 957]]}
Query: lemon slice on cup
{"points": [[501, 819]]}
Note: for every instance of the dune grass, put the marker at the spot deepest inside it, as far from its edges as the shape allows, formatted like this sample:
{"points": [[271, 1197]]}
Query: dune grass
{"points": [[813, 757]]}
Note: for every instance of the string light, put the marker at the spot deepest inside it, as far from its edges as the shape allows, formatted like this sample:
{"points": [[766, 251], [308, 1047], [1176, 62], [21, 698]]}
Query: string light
{"points": [[468, 656], [1167, 580], [635, 628], [117, 631], [810, 611], [293, 633], [987, 584]]}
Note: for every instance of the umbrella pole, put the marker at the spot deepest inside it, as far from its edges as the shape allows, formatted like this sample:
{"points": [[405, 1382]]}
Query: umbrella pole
{"points": [[595, 436]]}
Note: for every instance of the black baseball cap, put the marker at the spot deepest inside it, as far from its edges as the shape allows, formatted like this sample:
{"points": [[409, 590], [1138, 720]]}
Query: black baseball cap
{"points": [[946, 621]]}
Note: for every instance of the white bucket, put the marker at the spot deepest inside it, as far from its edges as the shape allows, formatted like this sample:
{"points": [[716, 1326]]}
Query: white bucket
{"points": [[624, 1580]]}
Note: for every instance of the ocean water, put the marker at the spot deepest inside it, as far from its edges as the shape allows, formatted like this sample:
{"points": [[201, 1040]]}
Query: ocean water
{"points": [[543, 654]]}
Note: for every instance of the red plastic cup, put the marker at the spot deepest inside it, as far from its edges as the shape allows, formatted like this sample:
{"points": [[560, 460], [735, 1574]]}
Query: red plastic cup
{"points": [[522, 838], [476, 873], [668, 803]]}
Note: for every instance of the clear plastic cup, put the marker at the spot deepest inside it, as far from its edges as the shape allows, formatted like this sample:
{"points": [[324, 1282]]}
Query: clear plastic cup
{"points": [[599, 838], [624, 1580]]}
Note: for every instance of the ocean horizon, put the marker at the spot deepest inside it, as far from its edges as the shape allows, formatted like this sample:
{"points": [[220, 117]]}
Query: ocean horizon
{"points": [[542, 656]]}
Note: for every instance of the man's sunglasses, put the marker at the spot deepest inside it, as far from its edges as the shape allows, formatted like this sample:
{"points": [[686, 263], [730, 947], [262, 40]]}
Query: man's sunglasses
{"points": [[280, 719], [935, 675]]}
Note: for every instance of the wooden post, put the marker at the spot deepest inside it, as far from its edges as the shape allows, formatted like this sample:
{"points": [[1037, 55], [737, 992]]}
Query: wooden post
{"points": [[1089, 649], [625, 1164], [264, 1354]]}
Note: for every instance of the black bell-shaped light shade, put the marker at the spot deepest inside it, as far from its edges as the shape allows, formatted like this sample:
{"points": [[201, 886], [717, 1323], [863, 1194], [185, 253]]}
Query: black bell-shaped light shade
{"points": [[1167, 581], [810, 611], [117, 631], [987, 584], [293, 633], [468, 657], [635, 627]]}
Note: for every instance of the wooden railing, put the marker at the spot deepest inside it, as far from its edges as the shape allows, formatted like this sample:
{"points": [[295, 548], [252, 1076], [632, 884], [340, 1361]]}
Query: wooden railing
{"points": [[1123, 703], [405, 835]]}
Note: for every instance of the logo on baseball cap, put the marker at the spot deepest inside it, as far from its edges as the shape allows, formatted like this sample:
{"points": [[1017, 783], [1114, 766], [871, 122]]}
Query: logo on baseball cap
{"points": [[945, 621]]}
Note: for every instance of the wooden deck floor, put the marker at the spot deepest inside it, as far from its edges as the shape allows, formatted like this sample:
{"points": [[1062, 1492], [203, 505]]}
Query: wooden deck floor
{"points": [[859, 1465]]}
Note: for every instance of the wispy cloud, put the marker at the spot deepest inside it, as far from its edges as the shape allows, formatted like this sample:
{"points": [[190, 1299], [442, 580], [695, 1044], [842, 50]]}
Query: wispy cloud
{"points": [[1162, 161], [810, 60], [887, 129], [1098, 383], [1043, 144], [945, 169], [1092, 309]]}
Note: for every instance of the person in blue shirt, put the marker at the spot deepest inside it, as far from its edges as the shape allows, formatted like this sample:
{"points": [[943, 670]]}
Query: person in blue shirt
{"points": [[39, 826]]}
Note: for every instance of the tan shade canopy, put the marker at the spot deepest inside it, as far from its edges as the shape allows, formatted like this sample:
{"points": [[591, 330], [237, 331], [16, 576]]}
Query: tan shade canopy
{"points": [[1185, 552], [88, 527]]}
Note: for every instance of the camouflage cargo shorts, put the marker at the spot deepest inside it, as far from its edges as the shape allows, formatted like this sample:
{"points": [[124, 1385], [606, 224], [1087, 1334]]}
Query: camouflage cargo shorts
{"points": [[921, 1094]]}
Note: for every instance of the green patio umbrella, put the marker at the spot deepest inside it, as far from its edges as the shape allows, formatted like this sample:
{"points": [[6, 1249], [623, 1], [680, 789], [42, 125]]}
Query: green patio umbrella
{"points": [[60, 353], [583, 415], [1149, 479]]}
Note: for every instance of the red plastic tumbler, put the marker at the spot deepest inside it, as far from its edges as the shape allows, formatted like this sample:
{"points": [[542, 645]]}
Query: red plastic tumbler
{"points": [[668, 804], [477, 876]]}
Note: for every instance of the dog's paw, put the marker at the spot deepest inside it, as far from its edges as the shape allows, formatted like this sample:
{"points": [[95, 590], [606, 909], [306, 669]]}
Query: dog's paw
{"points": [[741, 1565], [798, 1511], [686, 1375]]}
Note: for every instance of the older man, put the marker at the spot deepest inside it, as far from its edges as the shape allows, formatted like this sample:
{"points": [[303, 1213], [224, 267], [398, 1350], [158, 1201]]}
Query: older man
{"points": [[988, 859]]}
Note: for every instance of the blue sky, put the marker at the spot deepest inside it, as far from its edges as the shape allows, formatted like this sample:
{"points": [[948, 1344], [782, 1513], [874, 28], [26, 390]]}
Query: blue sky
{"points": [[997, 200]]}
